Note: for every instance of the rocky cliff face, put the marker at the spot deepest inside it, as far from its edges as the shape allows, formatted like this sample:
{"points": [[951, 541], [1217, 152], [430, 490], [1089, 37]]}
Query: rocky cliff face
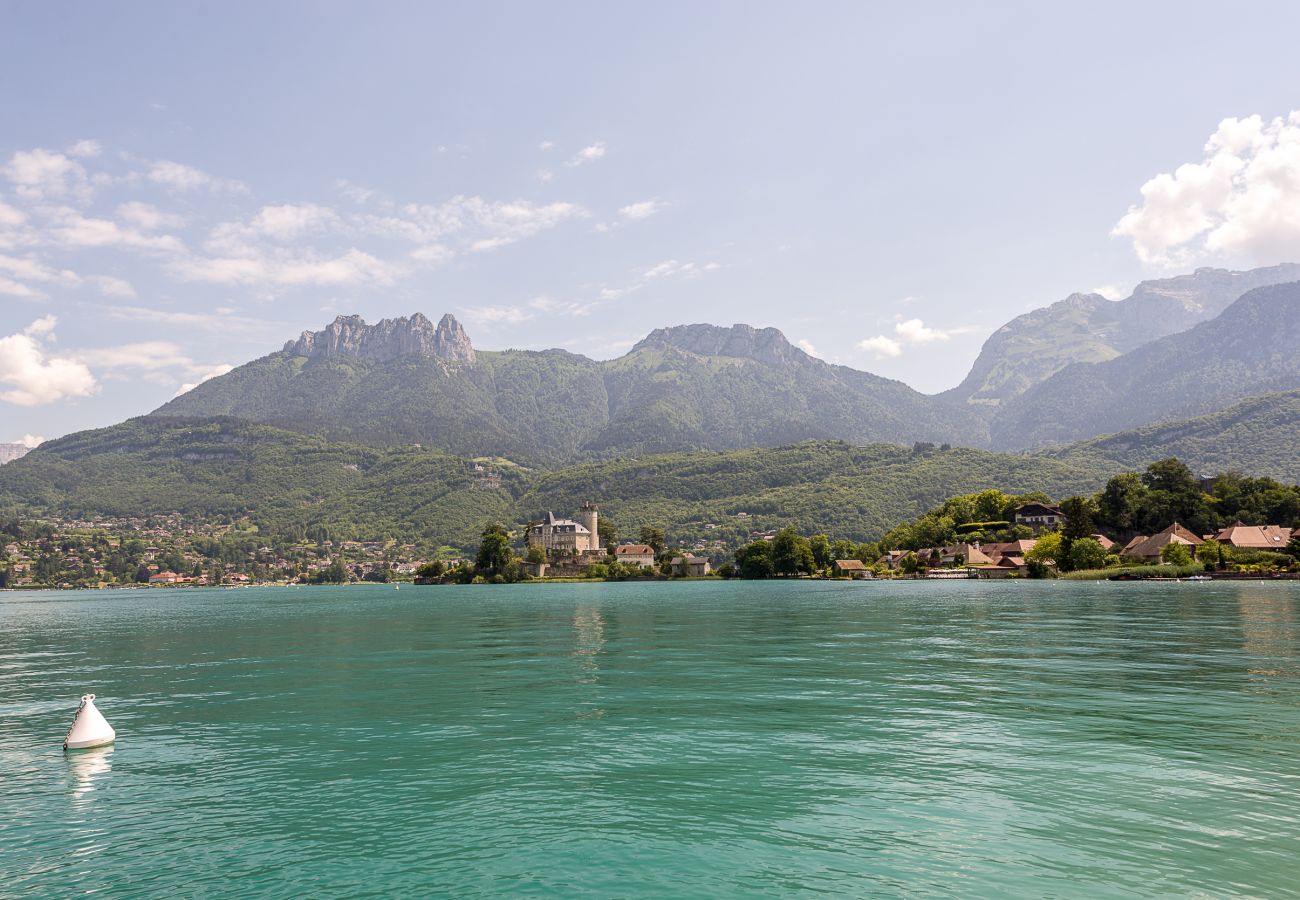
{"points": [[388, 339], [766, 345]]}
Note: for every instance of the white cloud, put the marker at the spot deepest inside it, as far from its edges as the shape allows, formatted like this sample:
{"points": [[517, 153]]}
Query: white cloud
{"points": [[85, 149], [643, 210], [143, 355], [1242, 199], [546, 145], [590, 153], [545, 176], [492, 314], [38, 174], [911, 332], [293, 220], [29, 376], [29, 268], [147, 216], [9, 216], [807, 347], [882, 346], [433, 254], [219, 321], [288, 269], [1110, 291], [673, 267], [214, 372], [914, 331], [31, 441], [181, 177], [18, 289], [110, 286], [70, 228]]}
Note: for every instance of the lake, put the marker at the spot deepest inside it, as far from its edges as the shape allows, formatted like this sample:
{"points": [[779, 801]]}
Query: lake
{"points": [[669, 740]]}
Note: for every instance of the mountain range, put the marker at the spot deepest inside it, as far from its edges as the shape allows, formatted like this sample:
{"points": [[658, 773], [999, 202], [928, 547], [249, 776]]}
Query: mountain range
{"points": [[404, 427]]}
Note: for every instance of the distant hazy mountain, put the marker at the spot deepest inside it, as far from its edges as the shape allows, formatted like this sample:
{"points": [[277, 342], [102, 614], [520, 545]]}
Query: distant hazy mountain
{"points": [[1256, 437], [405, 381], [1089, 328], [1252, 348]]}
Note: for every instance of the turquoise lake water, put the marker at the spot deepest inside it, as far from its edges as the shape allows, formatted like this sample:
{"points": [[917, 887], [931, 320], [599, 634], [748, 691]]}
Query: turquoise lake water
{"points": [[667, 740]]}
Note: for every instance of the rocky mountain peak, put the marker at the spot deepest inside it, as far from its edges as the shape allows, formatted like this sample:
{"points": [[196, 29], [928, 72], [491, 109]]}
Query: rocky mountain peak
{"points": [[766, 345], [350, 336]]}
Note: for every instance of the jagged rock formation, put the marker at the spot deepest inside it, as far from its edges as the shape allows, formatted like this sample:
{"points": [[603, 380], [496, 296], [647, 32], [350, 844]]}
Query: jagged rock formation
{"points": [[765, 345], [10, 452], [388, 339]]}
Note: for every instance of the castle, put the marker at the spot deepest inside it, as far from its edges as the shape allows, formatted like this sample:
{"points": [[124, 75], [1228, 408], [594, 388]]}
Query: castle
{"points": [[565, 536]]}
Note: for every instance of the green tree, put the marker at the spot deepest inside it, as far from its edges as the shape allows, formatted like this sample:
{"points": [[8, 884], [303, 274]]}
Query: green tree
{"points": [[653, 538], [494, 551], [755, 560], [608, 532], [1176, 554], [791, 553], [1046, 549], [1119, 505], [821, 550], [535, 554], [1087, 553]]}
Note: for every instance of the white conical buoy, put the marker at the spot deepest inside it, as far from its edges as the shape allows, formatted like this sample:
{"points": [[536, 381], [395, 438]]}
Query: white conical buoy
{"points": [[89, 727]]}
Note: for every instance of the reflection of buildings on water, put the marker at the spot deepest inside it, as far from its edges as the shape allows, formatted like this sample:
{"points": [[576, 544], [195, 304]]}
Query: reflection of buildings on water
{"points": [[589, 634], [86, 768], [1268, 629]]}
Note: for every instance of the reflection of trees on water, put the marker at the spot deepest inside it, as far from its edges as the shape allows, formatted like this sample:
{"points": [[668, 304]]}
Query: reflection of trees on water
{"points": [[1268, 630]]}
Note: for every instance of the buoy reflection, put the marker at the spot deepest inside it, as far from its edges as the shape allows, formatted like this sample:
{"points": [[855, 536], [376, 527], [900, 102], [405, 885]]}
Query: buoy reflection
{"points": [[87, 767]]}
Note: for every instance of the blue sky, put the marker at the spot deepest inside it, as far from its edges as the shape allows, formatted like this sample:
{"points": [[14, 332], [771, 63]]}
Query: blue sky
{"points": [[185, 187]]}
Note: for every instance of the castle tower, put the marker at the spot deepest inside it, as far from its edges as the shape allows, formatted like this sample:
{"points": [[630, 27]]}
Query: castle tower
{"points": [[588, 516]]}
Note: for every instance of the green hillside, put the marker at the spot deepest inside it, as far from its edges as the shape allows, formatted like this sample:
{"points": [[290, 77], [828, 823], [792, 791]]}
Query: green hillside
{"points": [[1256, 436], [296, 485], [1247, 351]]}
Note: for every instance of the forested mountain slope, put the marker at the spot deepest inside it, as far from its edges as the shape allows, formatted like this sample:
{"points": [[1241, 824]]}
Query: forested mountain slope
{"points": [[1248, 350]]}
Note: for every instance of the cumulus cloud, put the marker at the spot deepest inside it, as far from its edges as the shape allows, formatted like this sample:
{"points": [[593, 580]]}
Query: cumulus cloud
{"points": [[643, 210], [288, 269], [85, 149], [590, 153], [70, 228], [180, 177], [110, 286], [10, 216], [39, 174], [807, 347], [911, 332], [31, 376], [882, 346], [31, 441], [147, 216], [214, 372], [1241, 199]]}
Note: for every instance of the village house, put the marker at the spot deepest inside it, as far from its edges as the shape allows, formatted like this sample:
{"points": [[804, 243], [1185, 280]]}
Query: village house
{"points": [[690, 566], [1038, 516], [1253, 537], [851, 568], [1148, 549], [642, 555]]}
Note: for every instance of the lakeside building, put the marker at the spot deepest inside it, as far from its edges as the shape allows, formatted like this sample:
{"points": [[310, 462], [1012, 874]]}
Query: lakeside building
{"points": [[852, 568], [642, 555], [1253, 537], [1038, 516], [691, 566], [1148, 549], [556, 535]]}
